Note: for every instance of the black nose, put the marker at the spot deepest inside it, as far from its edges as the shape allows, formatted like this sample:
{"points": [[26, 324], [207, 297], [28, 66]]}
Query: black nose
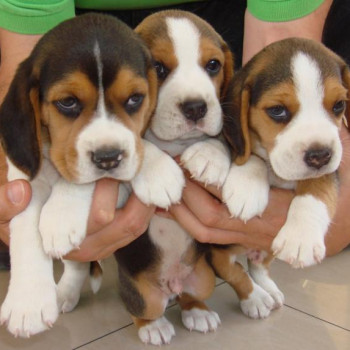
{"points": [[194, 109], [107, 159], [317, 158]]}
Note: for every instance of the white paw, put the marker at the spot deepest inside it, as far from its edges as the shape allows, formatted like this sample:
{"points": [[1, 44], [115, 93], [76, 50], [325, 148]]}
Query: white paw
{"points": [[71, 283], [300, 242], [207, 161], [160, 181], [200, 320], [259, 303], [299, 248], [67, 297], [64, 218], [62, 230], [246, 189], [277, 296], [28, 312], [157, 332]]}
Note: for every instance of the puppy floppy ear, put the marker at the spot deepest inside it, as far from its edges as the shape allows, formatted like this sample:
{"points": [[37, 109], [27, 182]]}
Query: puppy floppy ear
{"points": [[236, 120], [153, 91], [228, 69], [346, 82], [152, 84], [20, 121]]}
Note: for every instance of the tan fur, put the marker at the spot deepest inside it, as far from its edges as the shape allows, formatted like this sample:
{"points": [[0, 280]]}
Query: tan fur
{"points": [[232, 272], [323, 188]]}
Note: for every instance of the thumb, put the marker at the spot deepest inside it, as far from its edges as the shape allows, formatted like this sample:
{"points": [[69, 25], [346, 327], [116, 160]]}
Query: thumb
{"points": [[14, 198]]}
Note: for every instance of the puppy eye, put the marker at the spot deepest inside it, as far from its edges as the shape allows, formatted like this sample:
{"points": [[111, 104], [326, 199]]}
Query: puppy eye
{"points": [[339, 107], [133, 103], [161, 69], [279, 113], [69, 106], [213, 67]]}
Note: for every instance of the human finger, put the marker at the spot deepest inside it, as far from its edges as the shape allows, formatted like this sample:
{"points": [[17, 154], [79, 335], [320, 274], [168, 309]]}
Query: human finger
{"points": [[103, 204], [202, 232], [14, 198]]}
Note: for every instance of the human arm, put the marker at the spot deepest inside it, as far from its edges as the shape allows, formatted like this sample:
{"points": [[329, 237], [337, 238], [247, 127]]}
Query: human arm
{"points": [[259, 32]]}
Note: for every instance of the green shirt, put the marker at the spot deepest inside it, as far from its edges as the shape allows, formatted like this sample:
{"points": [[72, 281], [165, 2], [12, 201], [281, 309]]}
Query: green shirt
{"points": [[282, 10], [39, 16]]}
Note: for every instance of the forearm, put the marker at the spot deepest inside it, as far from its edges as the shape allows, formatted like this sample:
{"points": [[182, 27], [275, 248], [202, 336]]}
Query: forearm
{"points": [[14, 49], [338, 236], [259, 33]]}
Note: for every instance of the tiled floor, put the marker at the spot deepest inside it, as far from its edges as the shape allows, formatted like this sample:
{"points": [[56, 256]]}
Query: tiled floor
{"points": [[316, 315]]}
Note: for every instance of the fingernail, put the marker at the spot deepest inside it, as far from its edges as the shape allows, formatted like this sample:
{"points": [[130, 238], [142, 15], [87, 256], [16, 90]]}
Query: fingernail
{"points": [[15, 192]]}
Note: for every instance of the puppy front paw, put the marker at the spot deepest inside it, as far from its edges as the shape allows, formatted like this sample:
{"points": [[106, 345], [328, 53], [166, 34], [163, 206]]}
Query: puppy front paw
{"points": [[160, 181], [207, 161], [300, 242], [63, 220], [246, 189], [299, 248], [30, 310]]}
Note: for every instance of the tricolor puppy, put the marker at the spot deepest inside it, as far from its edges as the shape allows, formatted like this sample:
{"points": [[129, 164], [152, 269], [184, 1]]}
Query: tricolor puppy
{"points": [[74, 114], [194, 67], [284, 111]]}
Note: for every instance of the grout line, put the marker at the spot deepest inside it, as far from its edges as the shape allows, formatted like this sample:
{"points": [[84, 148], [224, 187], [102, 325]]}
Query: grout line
{"points": [[317, 318], [109, 333], [102, 336]]}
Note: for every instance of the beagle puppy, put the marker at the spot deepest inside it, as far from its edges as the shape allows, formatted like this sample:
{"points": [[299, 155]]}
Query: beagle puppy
{"points": [[75, 113], [194, 67], [284, 110]]}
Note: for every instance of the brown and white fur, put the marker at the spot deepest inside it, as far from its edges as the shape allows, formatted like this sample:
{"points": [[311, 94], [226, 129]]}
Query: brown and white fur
{"points": [[283, 113], [194, 67], [75, 113]]}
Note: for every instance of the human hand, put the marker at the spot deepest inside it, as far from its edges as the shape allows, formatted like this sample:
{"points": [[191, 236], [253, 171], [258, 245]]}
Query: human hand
{"points": [[108, 228], [14, 198], [207, 219]]}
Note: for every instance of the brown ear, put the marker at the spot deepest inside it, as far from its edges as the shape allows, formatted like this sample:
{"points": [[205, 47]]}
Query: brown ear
{"points": [[228, 68], [20, 121], [346, 81], [236, 120], [152, 85]]}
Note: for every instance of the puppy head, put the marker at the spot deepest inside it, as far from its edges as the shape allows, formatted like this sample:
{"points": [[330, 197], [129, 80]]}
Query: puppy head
{"points": [[287, 105], [194, 66], [91, 85]]}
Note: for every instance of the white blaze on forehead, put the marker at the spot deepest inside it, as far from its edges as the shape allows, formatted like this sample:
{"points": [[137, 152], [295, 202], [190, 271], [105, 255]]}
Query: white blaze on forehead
{"points": [[101, 109], [185, 37], [308, 83]]}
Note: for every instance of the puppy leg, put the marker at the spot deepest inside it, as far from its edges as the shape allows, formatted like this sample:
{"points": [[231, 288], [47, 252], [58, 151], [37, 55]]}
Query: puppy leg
{"points": [[30, 305], [254, 300], [208, 161], [198, 287], [70, 284], [64, 217], [146, 304], [160, 180], [246, 189], [300, 242], [259, 271]]}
